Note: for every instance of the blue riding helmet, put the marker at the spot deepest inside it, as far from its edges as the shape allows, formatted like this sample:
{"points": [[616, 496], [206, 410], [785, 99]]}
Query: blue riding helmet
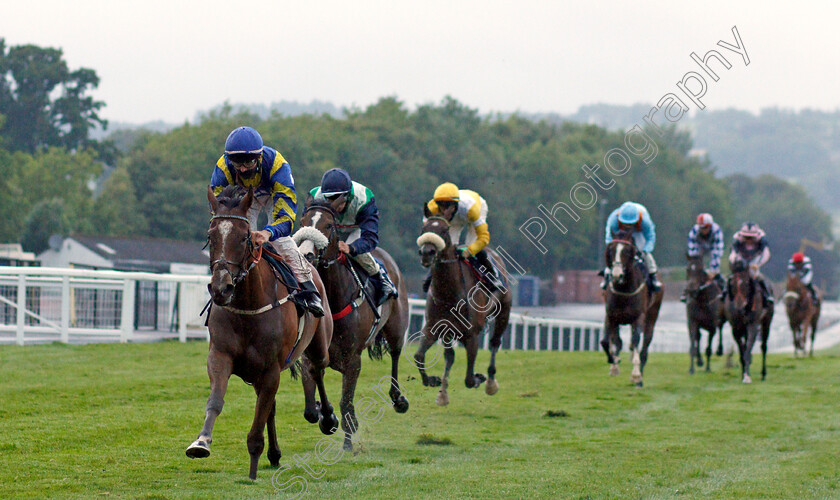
{"points": [[243, 142], [629, 213], [335, 181]]}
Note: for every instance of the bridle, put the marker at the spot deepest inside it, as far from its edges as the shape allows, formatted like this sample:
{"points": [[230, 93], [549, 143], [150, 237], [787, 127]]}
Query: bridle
{"points": [[319, 253], [243, 270], [694, 293], [438, 259], [635, 258]]}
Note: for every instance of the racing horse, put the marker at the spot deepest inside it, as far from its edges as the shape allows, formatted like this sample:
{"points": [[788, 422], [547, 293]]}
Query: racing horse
{"points": [[628, 301], [255, 330], [454, 288], [748, 316], [356, 327], [803, 314], [704, 311]]}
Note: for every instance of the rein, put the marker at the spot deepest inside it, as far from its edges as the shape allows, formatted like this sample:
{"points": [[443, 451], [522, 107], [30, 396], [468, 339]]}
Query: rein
{"points": [[626, 294]]}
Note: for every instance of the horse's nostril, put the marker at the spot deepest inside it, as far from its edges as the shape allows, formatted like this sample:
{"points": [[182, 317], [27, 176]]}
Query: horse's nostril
{"points": [[228, 289]]}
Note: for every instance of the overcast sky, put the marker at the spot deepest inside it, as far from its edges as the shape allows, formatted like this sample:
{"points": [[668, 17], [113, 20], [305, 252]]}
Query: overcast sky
{"points": [[168, 59]]}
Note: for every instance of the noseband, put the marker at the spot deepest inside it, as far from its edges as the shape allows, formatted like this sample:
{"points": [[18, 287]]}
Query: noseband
{"points": [[319, 253], [243, 272], [437, 259]]}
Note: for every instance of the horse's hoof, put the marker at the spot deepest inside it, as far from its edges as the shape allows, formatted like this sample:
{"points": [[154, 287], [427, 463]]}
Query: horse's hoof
{"points": [[274, 457], [348, 445], [614, 370], [477, 380], [492, 387], [747, 379], [699, 362], [442, 398], [199, 449], [311, 415], [691, 371], [401, 405], [328, 423], [432, 381], [636, 379], [640, 384]]}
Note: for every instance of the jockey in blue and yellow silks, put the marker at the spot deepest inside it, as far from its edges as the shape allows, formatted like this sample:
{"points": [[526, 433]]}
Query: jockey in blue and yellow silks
{"points": [[249, 163], [464, 209]]}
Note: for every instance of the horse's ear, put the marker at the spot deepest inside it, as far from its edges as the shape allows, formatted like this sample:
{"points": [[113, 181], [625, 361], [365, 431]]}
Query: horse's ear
{"points": [[426, 212], [248, 199], [214, 203]]}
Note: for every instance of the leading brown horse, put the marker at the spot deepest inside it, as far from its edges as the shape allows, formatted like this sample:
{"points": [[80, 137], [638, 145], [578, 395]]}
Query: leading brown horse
{"points": [[748, 316], [355, 326], [704, 311], [803, 313], [628, 302], [255, 331], [458, 306]]}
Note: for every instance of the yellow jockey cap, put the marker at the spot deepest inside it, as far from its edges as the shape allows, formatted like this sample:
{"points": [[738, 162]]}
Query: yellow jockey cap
{"points": [[446, 192]]}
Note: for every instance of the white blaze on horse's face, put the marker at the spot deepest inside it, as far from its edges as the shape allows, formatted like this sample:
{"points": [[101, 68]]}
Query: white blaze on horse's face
{"points": [[315, 219], [617, 269], [224, 227]]}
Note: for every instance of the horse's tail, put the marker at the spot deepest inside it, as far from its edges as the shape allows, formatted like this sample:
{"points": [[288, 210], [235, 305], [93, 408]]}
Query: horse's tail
{"points": [[376, 348], [295, 369]]}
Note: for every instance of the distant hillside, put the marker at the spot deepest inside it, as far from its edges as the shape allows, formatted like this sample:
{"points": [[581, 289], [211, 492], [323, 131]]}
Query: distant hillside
{"points": [[803, 147]]}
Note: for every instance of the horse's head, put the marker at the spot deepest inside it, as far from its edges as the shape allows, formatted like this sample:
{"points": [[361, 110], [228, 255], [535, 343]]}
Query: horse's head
{"points": [[317, 238], [794, 289], [620, 256], [434, 240], [744, 288], [229, 239]]}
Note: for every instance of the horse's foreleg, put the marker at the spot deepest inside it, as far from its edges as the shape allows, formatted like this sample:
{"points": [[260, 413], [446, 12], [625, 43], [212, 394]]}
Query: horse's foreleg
{"points": [[394, 337], [219, 368], [612, 346], [311, 407], [693, 332], [752, 334], [348, 391], [499, 326], [449, 358], [266, 390], [420, 361], [635, 337], [274, 453], [712, 332], [473, 379], [327, 421]]}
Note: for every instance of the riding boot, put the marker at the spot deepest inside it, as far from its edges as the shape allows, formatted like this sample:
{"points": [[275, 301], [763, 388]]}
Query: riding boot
{"points": [[489, 271], [427, 281], [385, 288], [814, 297], [655, 284], [603, 273], [309, 299], [766, 295], [682, 297]]}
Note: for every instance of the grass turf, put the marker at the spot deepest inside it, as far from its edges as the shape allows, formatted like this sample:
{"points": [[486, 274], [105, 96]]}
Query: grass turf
{"points": [[114, 420]]}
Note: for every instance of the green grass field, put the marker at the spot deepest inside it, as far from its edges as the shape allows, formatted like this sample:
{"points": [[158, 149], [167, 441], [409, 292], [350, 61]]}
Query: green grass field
{"points": [[114, 420]]}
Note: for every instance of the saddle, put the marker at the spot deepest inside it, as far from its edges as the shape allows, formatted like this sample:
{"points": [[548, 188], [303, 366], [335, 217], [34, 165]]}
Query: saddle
{"points": [[282, 270]]}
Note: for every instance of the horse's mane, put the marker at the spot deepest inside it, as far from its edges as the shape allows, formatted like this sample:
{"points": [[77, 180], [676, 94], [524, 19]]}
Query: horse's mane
{"points": [[231, 196], [320, 203], [624, 234]]}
